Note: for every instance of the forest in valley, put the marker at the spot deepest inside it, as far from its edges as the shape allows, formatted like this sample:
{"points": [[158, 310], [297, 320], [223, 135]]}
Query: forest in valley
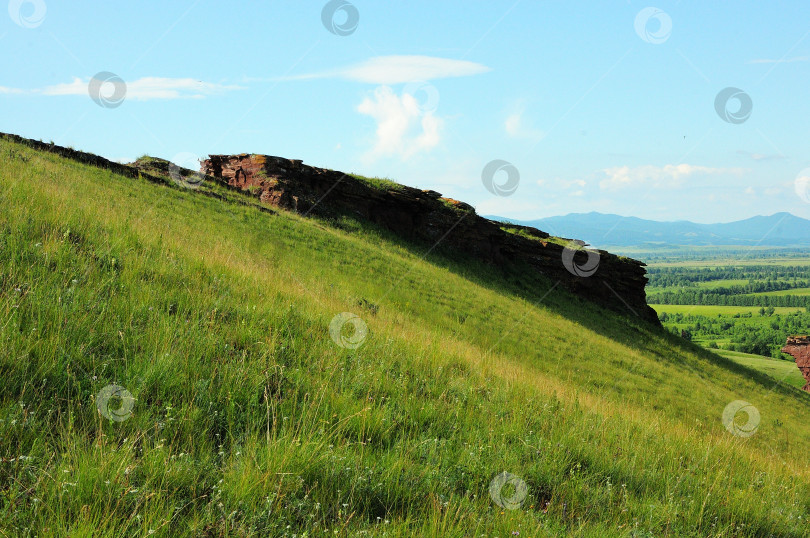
{"points": [[747, 308]]}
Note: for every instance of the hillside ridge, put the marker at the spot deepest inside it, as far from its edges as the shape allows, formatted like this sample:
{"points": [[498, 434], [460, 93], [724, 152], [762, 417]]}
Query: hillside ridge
{"points": [[614, 282], [424, 215]]}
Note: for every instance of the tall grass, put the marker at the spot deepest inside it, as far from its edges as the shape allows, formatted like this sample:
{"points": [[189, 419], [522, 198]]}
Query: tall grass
{"points": [[249, 420]]}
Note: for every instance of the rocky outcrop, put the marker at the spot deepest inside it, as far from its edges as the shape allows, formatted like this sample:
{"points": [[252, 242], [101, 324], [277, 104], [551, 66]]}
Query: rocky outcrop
{"points": [[799, 348], [615, 282], [424, 215]]}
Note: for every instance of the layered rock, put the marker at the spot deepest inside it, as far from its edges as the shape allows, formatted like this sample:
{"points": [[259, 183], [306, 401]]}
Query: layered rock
{"points": [[799, 348], [617, 283]]}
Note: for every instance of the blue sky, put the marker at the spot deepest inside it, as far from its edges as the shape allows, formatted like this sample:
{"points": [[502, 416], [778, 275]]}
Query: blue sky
{"points": [[604, 107]]}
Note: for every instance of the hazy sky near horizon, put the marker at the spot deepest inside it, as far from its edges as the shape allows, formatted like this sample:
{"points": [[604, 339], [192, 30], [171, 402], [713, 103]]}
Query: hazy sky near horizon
{"points": [[618, 107]]}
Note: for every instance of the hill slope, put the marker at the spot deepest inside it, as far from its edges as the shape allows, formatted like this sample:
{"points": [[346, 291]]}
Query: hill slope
{"points": [[250, 417], [780, 229]]}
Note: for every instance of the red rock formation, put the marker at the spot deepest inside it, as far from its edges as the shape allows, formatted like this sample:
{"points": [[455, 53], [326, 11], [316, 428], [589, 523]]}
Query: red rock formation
{"points": [[618, 283], [424, 215], [417, 214], [799, 348]]}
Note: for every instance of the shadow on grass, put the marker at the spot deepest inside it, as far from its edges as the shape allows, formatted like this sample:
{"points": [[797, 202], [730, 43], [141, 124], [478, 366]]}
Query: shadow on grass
{"points": [[523, 282], [515, 280]]}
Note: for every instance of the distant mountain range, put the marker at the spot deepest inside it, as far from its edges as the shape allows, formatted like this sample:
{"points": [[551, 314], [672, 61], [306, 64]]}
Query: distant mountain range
{"points": [[599, 229]]}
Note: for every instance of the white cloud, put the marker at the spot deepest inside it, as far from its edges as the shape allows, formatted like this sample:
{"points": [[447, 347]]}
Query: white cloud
{"points": [[403, 128], [572, 183], [760, 156], [399, 70], [781, 60], [143, 89], [516, 128], [668, 176], [148, 88]]}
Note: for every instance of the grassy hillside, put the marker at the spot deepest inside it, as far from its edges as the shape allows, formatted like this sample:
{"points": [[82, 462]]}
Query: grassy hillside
{"points": [[247, 418], [779, 369]]}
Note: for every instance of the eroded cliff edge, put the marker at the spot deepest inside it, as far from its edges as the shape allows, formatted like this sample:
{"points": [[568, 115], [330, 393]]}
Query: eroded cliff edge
{"points": [[616, 282]]}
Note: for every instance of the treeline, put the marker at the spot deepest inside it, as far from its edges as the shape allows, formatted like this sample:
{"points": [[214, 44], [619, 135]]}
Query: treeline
{"points": [[751, 287], [704, 254], [758, 339], [725, 298], [795, 276]]}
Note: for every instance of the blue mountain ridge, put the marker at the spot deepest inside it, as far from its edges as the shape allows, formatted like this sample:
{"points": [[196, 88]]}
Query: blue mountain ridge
{"points": [[600, 229]]}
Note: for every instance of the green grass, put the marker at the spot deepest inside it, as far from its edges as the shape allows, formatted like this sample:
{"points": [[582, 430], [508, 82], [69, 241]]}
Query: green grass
{"points": [[712, 284], [249, 420], [782, 370], [522, 232], [794, 291], [379, 183], [716, 255], [707, 285], [712, 310], [722, 261]]}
